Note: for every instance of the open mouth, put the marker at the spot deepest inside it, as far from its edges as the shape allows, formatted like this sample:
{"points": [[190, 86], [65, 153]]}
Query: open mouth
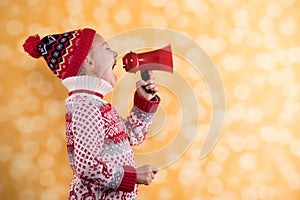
{"points": [[115, 63]]}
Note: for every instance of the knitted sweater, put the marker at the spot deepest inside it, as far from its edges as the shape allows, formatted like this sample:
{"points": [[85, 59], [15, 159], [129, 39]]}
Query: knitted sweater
{"points": [[99, 140]]}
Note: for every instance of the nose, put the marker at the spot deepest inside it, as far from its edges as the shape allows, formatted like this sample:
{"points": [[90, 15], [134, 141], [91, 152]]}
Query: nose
{"points": [[115, 53]]}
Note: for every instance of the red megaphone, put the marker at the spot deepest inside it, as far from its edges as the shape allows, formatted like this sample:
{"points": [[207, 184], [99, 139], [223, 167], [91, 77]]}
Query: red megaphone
{"points": [[160, 59]]}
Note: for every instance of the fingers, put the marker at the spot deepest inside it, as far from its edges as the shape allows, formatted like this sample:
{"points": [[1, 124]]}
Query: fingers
{"points": [[149, 178], [148, 85], [146, 174], [152, 176], [141, 83], [151, 86], [154, 170]]}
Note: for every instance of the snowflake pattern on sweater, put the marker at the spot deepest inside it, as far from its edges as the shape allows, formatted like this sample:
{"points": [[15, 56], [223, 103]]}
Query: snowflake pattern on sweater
{"points": [[99, 144]]}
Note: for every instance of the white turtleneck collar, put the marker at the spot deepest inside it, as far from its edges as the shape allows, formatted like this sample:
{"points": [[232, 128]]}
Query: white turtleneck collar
{"points": [[89, 83]]}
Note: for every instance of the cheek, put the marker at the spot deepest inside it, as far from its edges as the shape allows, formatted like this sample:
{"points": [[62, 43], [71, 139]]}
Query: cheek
{"points": [[104, 61]]}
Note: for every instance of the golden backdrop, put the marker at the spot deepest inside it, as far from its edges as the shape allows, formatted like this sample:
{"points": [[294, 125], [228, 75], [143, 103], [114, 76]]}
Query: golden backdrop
{"points": [[256, 49]]}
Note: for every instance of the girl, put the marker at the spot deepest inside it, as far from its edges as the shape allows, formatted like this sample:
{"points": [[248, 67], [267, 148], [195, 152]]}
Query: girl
{"points": [[98, 139]]}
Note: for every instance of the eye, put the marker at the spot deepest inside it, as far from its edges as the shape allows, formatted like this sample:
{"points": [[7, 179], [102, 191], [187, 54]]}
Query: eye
{"points": [[106, 46]]}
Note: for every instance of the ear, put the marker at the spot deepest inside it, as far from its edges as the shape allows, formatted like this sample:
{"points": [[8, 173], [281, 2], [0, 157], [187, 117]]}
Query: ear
{"points": [[89, 66]]}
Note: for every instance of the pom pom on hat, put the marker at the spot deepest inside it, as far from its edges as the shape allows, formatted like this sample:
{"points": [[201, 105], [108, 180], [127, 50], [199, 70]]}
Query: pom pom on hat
{"points": [[31, 46]]}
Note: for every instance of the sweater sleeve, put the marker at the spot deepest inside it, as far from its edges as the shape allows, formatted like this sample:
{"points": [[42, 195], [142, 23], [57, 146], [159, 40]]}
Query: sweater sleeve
{"points": [[139, 121], [88, 128]]}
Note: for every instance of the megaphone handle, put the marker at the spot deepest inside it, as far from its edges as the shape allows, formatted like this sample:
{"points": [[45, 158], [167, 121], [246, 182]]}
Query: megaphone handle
{"points": [[146, 76]]}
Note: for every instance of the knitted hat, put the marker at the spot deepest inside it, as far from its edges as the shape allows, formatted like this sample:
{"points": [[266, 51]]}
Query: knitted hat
{"points": [[64, 53]]}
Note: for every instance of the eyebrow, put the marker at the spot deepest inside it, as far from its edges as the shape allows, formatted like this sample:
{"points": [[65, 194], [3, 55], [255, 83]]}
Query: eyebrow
{"points": [[104, 43]]}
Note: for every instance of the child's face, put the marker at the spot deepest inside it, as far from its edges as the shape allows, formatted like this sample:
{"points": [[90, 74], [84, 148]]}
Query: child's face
{"points": [[104, 59]]}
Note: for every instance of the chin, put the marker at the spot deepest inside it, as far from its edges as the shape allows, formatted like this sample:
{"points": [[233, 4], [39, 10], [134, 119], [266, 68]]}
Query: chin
{"points": [[112, 84]]}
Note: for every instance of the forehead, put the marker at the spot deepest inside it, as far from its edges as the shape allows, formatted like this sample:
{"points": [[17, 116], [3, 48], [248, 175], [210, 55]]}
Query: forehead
{"points": [[98, 39]]}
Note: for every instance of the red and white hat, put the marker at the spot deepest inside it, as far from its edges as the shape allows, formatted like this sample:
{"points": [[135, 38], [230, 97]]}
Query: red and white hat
{"points": [[64, 53]]}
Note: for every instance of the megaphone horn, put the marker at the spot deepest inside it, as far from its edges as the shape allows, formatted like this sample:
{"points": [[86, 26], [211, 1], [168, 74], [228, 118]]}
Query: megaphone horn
{"points": [[160, 59]]}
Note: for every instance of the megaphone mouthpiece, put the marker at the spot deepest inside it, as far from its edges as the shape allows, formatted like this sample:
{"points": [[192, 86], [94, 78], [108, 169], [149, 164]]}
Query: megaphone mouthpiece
{"points": [[131, 62]]}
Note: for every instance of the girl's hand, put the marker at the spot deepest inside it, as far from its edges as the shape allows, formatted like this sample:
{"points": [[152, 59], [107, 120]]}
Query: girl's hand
{"points": [[149, 85], [145, 174]]}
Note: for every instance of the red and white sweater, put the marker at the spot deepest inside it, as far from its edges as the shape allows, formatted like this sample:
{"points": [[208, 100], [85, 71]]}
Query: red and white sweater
{"points": [[99, 141]]}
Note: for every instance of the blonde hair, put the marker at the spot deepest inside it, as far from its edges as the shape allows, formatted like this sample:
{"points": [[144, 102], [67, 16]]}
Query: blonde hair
{"points": [[82, 71]]}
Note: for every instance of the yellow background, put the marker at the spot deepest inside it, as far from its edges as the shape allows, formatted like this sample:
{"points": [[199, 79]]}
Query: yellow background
{"points": [[255, 45]]}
